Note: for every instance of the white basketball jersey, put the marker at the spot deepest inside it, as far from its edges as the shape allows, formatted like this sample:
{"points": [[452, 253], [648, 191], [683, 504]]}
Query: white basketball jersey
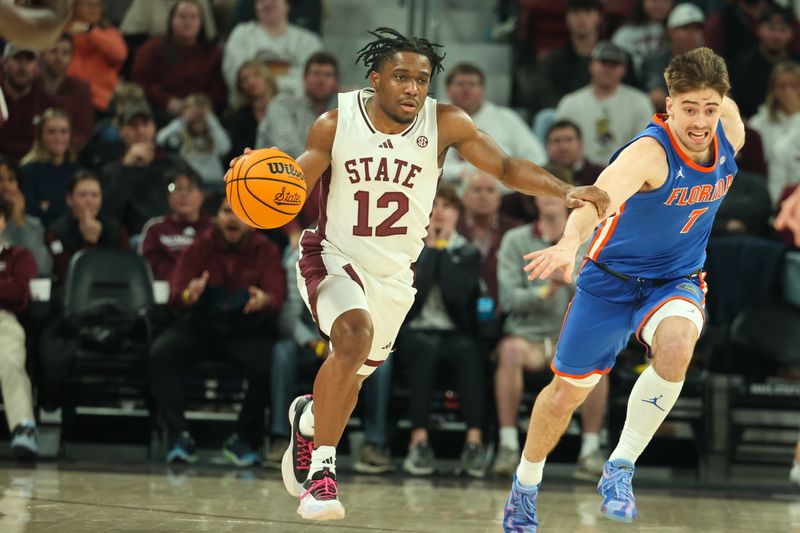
{"points": [[376, 204]]}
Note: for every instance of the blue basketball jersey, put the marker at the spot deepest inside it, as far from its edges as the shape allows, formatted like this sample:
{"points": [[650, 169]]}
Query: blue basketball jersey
{"points": [[662, 234]]}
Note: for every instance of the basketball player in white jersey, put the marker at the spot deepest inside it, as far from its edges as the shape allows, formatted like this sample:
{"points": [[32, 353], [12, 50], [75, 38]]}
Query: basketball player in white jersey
{"points": [[384, 146], [35, 27]]}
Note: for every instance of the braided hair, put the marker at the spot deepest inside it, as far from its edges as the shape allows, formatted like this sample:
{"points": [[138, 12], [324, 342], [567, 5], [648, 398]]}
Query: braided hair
{"points": [[389, 42]]}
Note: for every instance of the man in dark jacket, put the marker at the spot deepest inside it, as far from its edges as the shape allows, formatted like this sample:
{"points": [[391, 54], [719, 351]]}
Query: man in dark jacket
{"points": [[134, 186], [83, 226], [230, 283], [441, 325]]}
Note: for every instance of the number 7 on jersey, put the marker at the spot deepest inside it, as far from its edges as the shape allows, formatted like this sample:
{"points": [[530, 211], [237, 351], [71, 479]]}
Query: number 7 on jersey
{"points": [[693, 216]]}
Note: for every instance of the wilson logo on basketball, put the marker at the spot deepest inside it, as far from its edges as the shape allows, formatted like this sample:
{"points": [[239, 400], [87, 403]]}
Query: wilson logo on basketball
{"points": [[281, 168], [287, 198]]}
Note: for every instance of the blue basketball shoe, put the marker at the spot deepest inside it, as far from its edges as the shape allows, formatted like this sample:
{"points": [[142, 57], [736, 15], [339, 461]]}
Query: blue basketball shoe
{"points": [[520, 513], [616, 489]]}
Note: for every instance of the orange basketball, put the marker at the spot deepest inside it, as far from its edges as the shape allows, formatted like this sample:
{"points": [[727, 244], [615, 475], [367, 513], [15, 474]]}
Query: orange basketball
{"points": [[266, 188]]}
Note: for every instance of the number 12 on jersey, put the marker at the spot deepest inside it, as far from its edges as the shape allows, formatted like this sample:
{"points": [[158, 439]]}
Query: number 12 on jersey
{"points": [[693, 216], [387, 227]]}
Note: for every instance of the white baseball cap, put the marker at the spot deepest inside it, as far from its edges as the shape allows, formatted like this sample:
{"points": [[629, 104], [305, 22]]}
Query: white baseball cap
{"points": [[685, 14]]}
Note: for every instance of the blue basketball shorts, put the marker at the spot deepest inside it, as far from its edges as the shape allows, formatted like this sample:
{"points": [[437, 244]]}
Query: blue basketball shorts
{"points": [[607, 310]]}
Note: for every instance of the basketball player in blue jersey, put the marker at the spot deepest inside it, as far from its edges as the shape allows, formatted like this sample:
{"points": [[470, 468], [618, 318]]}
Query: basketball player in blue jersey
{"points": [[384, 146], [642, 276]]}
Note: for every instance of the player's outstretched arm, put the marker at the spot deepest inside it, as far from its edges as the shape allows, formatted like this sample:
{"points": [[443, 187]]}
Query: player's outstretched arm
{"points": [[732, 123], [35, 27], [642, 165], [458, 131]]}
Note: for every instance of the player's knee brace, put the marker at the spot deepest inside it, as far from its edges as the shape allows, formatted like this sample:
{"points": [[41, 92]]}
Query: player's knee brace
{"points": [[588, 381]]}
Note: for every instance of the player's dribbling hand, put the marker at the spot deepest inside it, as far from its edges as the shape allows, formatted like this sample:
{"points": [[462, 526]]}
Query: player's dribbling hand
{"points": [[578, 196], [245, 152], [559, 257], [238, 157]]}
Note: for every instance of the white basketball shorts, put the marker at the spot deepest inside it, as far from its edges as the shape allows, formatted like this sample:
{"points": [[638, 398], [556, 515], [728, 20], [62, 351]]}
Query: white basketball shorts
{"points": [[331, 284]]}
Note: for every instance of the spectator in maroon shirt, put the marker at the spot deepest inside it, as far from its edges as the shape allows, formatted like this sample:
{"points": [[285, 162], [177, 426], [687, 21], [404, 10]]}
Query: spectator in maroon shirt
{"points": [[183, 62], [231, 285], [165, 238], [69, 93], [17, 269], [82, 226], [25, 100]]}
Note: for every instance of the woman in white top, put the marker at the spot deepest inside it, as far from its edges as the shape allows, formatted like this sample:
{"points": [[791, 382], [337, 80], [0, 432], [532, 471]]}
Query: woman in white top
{"points": [[643, 32], [780, 112]]}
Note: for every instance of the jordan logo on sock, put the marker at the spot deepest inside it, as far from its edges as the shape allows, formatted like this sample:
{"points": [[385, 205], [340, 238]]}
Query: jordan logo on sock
{"points": [[654, 401]]}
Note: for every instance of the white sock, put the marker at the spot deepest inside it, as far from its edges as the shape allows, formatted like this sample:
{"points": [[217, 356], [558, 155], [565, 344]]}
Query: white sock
{"points": [[307, 421], [530, 474], [590, 443], [509, 437], [650, 401], [323, 457]]}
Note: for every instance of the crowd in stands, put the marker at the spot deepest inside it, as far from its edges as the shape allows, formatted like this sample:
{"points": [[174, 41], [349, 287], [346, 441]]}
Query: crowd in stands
{"points": [[119, 135]]}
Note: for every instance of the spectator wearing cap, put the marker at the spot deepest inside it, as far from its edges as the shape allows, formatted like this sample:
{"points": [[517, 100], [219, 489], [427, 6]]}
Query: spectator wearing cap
{"points": [[465, 87], [106, 144], [750, 72], [17, 269], [164, 238], [565, 69], [69, 93], [83, 226], [25, 100], [643, 32], [134, 186], [608, 112], [684, 32], [100, 51]]}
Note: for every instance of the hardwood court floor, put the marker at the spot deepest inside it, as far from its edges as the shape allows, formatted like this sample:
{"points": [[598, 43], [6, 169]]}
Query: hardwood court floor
{"points": [[65, 498]]}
